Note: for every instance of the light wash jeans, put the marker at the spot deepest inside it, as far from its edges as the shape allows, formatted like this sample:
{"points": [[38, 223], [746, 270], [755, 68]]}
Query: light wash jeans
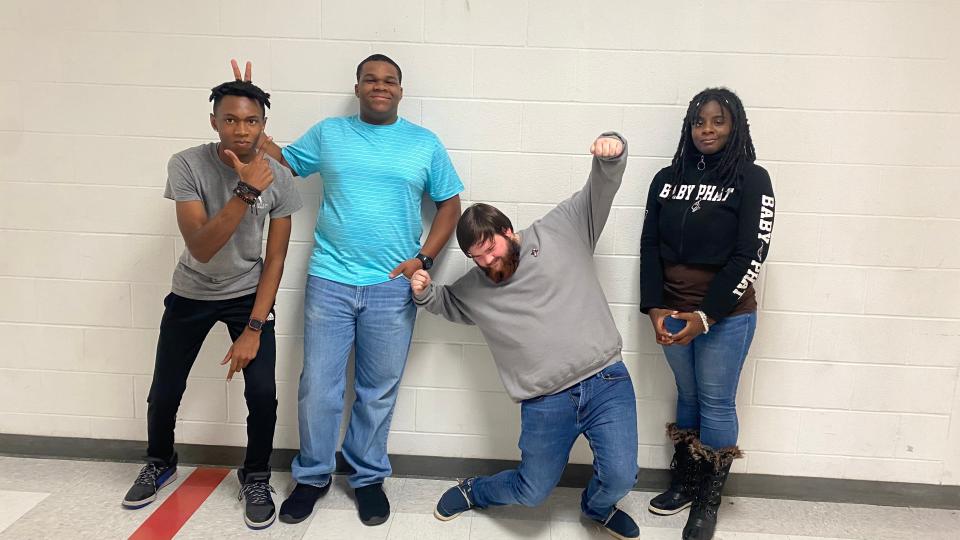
{"points": [[707, 371], [602, 408], [377, 322]]}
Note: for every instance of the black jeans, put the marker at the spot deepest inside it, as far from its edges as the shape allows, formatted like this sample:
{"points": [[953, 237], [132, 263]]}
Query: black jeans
{"points": [[184, 326]]}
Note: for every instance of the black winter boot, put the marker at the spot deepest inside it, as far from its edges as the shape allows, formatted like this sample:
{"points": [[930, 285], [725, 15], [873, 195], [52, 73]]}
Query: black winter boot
{"points": [[682, 474], [713, 466]]}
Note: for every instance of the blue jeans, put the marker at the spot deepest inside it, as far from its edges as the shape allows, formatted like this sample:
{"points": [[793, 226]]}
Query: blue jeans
{"points": [[602, 408], [377, 322], [707, 371]]}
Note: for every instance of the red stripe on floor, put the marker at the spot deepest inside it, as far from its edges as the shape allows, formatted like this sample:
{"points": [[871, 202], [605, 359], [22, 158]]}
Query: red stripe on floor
{"points": [[167, 520]]}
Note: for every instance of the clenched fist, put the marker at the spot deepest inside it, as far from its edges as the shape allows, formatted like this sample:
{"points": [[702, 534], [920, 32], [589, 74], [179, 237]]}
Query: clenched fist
{"points": [[606, 147], [419, 282]]}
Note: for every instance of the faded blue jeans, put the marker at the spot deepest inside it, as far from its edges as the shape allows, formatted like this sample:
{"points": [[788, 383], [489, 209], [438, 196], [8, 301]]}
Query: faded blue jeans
{"points": [[602, 408], [707, 371], [377, 322]]}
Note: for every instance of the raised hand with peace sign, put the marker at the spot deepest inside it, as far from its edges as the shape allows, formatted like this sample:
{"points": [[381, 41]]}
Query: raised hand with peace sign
{"points": [[247, 72]]}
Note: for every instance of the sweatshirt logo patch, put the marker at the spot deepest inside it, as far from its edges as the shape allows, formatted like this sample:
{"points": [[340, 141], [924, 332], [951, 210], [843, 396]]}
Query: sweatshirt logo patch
{"points": [[535, 252]]}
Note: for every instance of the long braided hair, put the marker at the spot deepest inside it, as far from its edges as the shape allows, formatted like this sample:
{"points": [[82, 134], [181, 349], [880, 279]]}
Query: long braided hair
{"points": [[739, 149]]}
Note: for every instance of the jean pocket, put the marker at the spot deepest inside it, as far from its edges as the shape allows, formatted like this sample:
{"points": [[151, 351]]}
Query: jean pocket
{"points": [[615, 372]]}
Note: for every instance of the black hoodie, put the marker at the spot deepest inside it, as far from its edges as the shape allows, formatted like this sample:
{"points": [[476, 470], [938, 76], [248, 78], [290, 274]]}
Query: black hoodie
{"points": [[702, 221]]}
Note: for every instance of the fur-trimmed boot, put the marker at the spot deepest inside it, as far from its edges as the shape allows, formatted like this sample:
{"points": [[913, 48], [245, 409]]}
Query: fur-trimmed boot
{"points": [[682, 474], [713, 466]]}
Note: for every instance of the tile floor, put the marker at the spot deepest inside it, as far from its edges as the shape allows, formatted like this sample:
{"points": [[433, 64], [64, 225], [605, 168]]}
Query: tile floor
{"points": [[56, 499]]}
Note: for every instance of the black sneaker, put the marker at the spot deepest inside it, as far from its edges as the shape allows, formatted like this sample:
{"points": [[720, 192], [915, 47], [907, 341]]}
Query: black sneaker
{"points": [[255, 490], [455, 501], [153, 476], [372, 504], [620, 525], [299, 505]]}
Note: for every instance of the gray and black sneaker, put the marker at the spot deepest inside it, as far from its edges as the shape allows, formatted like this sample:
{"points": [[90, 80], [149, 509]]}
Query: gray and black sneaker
{"points": [[255, 490], [153, 476]]}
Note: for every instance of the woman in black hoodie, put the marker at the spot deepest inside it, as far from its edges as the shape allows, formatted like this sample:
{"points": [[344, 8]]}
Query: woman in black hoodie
{"points": [[706, 231]]}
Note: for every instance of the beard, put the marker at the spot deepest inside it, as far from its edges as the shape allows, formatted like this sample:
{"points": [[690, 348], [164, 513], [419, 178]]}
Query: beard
{"points": [[504, 267]]}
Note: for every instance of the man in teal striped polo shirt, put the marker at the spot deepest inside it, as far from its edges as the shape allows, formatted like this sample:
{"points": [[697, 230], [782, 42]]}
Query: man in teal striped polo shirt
{"points": [[375, 167]]}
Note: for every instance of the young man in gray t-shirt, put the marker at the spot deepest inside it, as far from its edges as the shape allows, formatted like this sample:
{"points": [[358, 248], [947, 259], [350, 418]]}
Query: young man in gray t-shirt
{"points": [[224, 193]]}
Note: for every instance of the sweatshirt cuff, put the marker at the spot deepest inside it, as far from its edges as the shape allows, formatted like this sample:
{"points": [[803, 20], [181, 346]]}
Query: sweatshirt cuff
{"points": [[716, 313], [423, 299]]}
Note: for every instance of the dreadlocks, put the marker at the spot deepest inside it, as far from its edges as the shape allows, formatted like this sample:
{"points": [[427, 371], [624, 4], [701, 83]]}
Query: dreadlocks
{"points": [[240, 88], [739, 148]]}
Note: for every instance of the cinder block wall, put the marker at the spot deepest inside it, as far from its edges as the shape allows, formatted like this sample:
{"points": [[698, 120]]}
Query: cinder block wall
{"points": [[854, 110]]}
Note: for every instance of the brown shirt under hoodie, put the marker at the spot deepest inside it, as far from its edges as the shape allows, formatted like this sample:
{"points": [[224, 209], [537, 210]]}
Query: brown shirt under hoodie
{"points": [[685, 286]]}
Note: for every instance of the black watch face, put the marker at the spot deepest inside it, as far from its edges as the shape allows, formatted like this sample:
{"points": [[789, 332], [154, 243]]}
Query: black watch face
{"points": [[427, 261], [255, 324]]}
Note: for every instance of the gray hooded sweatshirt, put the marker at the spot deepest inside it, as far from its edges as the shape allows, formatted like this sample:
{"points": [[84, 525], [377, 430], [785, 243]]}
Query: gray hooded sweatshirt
{"points": [[549, 325]]}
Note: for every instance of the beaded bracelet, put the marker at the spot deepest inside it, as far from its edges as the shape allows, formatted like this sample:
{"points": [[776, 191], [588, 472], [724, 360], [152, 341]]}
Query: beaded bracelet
{"points": [[244, 195], [703, 318], [249, 188]]}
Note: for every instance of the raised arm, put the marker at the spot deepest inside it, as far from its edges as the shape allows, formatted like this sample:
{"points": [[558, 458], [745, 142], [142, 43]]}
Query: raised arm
{"points": [[589, 208]]}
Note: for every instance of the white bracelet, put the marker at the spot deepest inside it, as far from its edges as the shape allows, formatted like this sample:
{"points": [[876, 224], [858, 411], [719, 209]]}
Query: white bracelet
{"points": [[703, 318]]}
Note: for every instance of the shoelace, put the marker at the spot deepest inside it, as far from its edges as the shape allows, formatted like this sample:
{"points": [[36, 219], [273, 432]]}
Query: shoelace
{"points": [[148, 475], [466, 489], [256, 492]]}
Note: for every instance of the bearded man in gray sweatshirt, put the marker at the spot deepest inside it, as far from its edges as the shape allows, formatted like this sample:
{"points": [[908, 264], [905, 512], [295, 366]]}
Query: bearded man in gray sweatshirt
{"points": [[536, 299]]}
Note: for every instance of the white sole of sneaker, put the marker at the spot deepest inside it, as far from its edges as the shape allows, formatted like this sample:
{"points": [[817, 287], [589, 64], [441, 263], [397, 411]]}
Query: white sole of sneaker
{"points": [[133, 505], [257, 526], [661, 512], [441, 517]]}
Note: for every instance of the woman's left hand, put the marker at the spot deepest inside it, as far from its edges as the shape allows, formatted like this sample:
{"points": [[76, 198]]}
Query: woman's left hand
{"points": [[693, 328]]}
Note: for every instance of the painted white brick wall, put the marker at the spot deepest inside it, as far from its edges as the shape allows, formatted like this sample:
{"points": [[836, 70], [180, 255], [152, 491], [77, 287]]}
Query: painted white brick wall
{"points": [[853, 104]]}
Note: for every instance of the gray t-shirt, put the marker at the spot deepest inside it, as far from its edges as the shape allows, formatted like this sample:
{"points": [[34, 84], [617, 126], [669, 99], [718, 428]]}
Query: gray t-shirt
{"points": [[197, 174]]}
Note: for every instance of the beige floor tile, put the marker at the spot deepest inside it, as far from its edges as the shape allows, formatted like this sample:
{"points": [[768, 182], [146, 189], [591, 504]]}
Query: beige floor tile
{"points": [[426, 527], [330, 523], [14, 504]]}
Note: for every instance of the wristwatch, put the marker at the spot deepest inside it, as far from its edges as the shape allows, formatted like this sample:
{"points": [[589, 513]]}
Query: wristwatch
{"points": [[426, 260], [255, 324]]}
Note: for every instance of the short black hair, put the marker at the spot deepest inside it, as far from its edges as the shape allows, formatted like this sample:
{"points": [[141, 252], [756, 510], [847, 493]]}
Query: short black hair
{"points": [[479, 223], [739, 149], [240, 88], [380, 58]]}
